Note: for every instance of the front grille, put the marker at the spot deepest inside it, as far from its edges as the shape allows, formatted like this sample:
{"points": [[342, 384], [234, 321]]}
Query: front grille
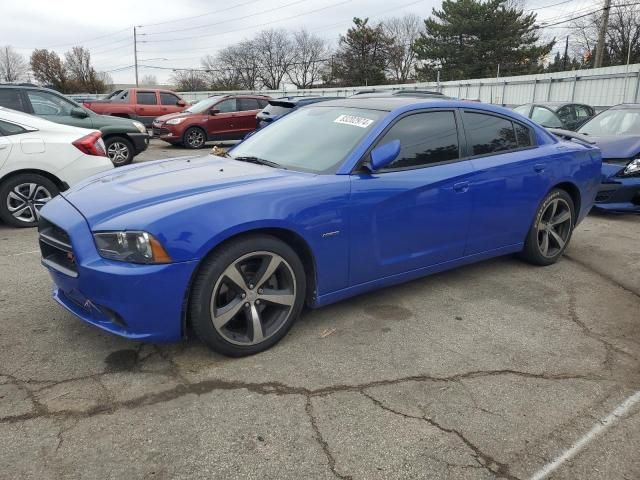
{"points": [[56, 248], [160, 131]]}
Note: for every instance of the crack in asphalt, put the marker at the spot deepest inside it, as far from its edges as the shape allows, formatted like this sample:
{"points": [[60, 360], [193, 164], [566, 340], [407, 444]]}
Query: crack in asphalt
{"points": [[331, 461], [603, 275], [499, 469]]}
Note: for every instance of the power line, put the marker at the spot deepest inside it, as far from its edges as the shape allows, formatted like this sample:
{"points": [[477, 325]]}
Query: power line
{"points": [[199, 15], [251, 26], [228, 20]]}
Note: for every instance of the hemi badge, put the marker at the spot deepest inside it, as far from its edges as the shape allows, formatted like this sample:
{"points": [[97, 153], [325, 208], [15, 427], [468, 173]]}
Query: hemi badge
{"points": [[330, 234]]}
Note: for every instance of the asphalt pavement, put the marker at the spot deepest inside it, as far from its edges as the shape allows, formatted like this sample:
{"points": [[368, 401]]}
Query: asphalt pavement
{"points": [[495, 370]]}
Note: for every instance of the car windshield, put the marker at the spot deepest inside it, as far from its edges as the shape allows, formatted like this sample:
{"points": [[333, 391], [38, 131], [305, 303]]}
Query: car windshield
{"points": [[203, 105], [613, 122], [316, 139], [523, 109]]}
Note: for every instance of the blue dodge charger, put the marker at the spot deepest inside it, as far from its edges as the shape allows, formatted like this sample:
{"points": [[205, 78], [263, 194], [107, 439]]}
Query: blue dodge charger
{"points": [[331, 201]]}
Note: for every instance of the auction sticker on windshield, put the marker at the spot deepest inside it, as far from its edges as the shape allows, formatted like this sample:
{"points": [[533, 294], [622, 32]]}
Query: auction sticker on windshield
{"points": [[361, 122]]}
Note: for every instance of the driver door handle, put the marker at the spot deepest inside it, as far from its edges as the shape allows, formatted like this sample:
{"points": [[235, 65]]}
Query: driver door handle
{"points": [[461, 187], [539, 168]]}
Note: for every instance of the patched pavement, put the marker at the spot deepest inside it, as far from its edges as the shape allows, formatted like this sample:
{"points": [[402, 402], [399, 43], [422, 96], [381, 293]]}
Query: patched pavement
{"points": [[487, 371]]}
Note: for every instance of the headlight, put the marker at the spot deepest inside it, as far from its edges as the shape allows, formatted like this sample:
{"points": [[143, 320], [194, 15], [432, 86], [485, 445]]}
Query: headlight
{"points": [[140, 127], [632, 168], [134, 247], [175, 121]]}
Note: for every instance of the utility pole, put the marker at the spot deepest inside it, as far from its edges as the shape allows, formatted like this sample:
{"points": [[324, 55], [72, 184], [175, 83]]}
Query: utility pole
{"points": [[601, 34], [566, 54], [135, 52]]}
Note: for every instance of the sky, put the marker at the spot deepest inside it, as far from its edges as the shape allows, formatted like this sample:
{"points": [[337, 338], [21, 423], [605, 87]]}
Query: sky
{"points": [[176, 34]]}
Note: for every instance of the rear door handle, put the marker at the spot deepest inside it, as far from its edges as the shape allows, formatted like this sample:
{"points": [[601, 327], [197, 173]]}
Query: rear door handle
{"points": [[539, 168], [461, 187]]}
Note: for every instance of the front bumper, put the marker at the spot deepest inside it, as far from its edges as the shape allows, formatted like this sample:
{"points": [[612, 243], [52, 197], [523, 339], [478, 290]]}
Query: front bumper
{"points": [[619, 195], [141, 302], [168, 133], [140, 141]]}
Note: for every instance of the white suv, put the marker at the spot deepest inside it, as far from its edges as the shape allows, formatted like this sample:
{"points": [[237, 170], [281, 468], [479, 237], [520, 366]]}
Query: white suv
{"points": [[38, 159]]}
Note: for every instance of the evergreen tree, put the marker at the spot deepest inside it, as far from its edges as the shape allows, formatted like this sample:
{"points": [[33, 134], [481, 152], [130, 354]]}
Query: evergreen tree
{"points": [[363, 54], [470, 38]]}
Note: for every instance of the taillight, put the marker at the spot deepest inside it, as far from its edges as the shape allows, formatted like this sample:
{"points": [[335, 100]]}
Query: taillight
{"points": [[91, 144]]}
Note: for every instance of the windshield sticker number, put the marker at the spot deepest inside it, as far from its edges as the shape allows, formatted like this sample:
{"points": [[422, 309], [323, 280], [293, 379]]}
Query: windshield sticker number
{"points": [[353, 120]]}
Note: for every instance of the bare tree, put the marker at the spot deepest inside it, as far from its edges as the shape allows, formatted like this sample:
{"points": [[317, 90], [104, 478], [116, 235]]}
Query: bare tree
{"points": [[276, 54], [310, 59], [223, 70], [402, 58], [107, 80], [149, 80], [622, 37], [12, 65], [189, 80], [81, 72], [48, 69]]}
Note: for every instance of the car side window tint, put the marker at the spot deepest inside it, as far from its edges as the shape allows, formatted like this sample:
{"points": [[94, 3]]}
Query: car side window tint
{"points": [[11, 98], [582, 112], [245, 104], [523, 110], [226, 106], [147, 98], [168, 99], [566, 114], [523, 135], [8, 128], [262, 102], [425, 138], [545, 117], [48, 104], [489, 134]]}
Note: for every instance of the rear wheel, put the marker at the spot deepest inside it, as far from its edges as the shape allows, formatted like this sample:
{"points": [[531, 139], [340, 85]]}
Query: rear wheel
{"points": [[22, 197], [247, 295], [194, 138], [551, 231], [119, 150]]}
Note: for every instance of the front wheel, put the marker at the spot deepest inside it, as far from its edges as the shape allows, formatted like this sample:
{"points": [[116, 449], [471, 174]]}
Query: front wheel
{"points": [[247, 295], [22, 197], [194, 138], [551, 231]]}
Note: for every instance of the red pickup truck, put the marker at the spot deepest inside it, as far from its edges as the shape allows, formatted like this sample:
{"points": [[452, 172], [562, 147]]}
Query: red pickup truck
{"points": [[142, 104]]}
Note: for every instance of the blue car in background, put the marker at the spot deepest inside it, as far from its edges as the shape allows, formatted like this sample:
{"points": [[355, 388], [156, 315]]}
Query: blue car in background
{"points": [[616, 132], [376, 192], [280, 107]]}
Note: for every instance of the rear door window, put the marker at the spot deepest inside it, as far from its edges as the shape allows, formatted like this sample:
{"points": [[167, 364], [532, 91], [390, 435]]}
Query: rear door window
{"points": [[489, 134], [11, 98], [245, 104], [545, 117], [8, 128], [147, 98]]}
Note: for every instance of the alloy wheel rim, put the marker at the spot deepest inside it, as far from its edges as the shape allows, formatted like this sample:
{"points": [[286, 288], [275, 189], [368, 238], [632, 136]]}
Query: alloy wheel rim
{"points": [[25, 201], [118, 152], [253, 298], [554, 228], [195, 138]]}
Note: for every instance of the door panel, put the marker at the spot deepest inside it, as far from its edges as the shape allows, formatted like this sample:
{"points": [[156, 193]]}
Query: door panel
{"points": [[506, 185], [222, 124], [147, 105], [5, 148], [408, 219]]}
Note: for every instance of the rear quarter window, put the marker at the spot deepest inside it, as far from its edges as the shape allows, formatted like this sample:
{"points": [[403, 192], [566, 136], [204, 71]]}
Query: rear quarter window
{"points": [[11, 98], [489, 134]]}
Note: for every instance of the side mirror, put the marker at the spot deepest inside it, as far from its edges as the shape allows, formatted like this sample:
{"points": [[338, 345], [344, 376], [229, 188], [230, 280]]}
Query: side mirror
{"points": [[181, 103], [214, 111], [383, 155], [78, 112]]}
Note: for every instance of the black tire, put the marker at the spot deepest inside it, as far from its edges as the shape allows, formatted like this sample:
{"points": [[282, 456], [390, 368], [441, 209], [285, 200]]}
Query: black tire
{"points": [[546, 224], [194, 138], [119, 150], [14, 196], [211, 280]]}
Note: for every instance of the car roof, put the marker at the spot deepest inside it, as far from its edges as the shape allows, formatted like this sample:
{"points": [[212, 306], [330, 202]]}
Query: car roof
{"points": [[626, 106], [389, 103]]}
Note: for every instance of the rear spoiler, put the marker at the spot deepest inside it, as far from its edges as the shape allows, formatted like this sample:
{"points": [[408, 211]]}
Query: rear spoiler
{"points": [[281, 103], [569, 135]]}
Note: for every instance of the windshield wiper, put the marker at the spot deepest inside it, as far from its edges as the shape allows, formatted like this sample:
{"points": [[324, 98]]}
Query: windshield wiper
{"points": [[259, 161]]}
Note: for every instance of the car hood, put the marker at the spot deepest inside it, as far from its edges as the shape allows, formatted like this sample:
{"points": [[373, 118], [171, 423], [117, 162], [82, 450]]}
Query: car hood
{"points": [[135, 187], [617, 146], [168, 116]]}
